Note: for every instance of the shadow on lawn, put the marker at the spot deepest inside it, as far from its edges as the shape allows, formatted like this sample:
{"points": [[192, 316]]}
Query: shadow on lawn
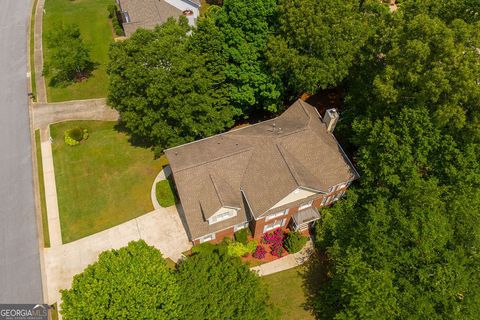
{"points": [[133, 139], [316, 284]]}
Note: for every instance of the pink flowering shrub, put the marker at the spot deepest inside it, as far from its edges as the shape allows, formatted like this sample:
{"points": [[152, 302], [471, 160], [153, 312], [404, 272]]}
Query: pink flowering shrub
{"points": [[259, 252], [275, 240]]}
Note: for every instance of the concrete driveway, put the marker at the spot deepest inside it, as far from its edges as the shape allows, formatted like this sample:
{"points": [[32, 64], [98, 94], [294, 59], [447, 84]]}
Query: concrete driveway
{"points": [[161, 228]]}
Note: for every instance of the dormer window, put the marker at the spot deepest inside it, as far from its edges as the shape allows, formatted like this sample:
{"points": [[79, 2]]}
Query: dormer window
{"points": [[222, 215]]}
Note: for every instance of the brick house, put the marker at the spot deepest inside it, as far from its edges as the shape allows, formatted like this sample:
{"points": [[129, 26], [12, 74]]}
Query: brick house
{"points": [[269, 175]]}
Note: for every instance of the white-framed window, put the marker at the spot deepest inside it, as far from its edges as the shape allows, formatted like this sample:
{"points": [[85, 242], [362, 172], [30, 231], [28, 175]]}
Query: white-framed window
{"points": [[305, 205], [274, 225], [208, 237], [341, 186], [223, 216], [276, 215], [338, 195], [325, 200], [240, 226]]}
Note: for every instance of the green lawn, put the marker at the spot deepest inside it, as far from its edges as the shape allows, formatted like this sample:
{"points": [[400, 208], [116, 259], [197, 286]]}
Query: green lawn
{"points": [[102, 182], [92, 18], [41, 186], [288, 294], [166, 196]]}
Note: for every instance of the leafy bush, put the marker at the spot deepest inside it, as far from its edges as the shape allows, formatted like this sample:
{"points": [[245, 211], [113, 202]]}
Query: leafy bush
{"points": [[113, 14], [242, 236], [112, 10], [70, 57], [210, 248], [74, 136], [294, 242], [275, 239], [117, 27], [260, 252], [238, 249]]}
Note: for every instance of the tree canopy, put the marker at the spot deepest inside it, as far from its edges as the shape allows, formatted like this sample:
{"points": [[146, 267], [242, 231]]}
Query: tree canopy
{"points": [[164, 92], [70, 59], [217, 286], [240, 30], [400, 244], [316, 42], [133, 282], [404, 241]]}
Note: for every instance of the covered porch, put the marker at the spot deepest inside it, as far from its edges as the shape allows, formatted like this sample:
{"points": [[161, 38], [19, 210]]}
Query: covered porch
{"points": [[304, 218]]}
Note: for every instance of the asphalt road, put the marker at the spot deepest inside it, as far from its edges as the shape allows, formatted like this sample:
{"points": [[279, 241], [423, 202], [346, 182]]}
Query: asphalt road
{"points": [[20, 278]]}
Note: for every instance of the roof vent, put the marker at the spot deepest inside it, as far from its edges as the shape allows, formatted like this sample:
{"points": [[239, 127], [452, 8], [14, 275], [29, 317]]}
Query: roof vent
{"points": [[331, 119]]}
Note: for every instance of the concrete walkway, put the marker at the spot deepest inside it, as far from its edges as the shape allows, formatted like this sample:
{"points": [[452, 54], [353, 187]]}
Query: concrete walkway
{"points": [[93, 109], [53, 216], [285, 263], [38, 53], [161, 228]]}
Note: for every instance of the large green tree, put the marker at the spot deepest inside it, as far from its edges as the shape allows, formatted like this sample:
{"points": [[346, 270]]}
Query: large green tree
{"points": [[467, 10], [133, 282], [164, 91], [239, 30], [424, 62], [316, 42], [217, 286], [403, 243], [69, 58]]}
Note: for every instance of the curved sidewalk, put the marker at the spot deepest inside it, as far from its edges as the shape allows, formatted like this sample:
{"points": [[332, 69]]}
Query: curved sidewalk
{"points": [[285, 263]]}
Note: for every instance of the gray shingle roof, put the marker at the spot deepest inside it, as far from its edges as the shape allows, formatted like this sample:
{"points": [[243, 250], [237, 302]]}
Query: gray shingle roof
{"points": [[147, 14], [267, 161]]}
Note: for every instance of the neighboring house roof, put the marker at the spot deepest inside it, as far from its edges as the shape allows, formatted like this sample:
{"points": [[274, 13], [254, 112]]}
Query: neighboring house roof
{"points": [[266, 161], [146, 14]]}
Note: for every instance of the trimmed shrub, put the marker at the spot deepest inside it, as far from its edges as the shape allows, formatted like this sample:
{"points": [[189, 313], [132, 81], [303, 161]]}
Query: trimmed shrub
{"points": [[294, 242], [209, 248], [113, 13], [238, 249], [74, 136], [112, 10], [260, 252], [242, 235]]}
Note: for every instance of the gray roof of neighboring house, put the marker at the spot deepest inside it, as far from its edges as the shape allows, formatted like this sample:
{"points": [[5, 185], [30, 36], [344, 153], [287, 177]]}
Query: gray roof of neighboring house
{"points": [[146, 14], [265, 161]]}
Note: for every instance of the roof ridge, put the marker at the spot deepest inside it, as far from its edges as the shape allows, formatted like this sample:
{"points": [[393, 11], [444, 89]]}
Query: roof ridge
{"points": [[216, 188], [304, 110], [218, 158], [280, 149], [222, 134]]}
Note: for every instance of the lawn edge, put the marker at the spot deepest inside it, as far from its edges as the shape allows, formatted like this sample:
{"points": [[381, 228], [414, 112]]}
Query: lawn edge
{"points": [[41, 190]]}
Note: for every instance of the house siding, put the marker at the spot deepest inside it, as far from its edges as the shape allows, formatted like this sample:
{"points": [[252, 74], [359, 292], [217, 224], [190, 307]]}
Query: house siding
{"points": [[219, 235], [256, 226]]}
